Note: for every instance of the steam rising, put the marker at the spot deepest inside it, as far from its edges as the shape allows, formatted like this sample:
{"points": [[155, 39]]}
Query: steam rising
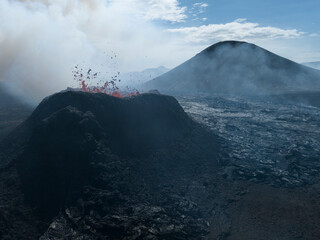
{"points": [[42, 40]]}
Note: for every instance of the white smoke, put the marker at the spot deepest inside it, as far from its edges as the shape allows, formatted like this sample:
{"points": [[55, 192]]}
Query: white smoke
{"points": [[42, 40]]}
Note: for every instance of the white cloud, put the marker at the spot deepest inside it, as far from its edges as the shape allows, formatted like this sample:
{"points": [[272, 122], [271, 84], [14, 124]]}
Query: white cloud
{"points": [[239, 29], [198, 8], [201, 4], [168, 10]]}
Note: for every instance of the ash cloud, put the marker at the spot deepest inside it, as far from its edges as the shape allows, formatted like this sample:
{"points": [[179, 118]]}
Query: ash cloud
{"points": [[39, 43], [42, 40]]}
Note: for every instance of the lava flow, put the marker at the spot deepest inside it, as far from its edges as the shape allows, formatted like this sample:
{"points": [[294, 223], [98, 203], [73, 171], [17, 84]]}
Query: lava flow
{"points": [[107, 87]]}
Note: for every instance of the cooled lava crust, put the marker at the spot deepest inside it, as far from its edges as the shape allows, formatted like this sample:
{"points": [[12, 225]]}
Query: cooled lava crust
{"points": [[99, 167]]}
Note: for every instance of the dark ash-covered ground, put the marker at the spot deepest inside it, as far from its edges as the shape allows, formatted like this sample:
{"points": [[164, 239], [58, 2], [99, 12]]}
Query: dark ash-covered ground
{"points": [[274, 142], [90, 166], [273, 146]]}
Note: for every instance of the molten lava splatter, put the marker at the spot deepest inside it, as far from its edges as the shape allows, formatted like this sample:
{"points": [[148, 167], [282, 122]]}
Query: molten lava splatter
{"points": [[107, 87]]}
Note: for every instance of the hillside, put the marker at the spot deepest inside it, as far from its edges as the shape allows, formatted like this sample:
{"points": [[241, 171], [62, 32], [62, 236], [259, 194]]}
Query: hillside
{"points": [[233, 67], [99, 167], [92, 166]]}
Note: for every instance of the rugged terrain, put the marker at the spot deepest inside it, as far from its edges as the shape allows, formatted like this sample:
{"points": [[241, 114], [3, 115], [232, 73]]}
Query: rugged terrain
{"points": [[91, 166], [274, 142], [273, 165], [99, 167]]}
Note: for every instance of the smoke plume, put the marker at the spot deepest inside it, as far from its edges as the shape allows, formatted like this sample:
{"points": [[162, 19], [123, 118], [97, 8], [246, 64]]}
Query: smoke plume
{"points": [[42, 40]]}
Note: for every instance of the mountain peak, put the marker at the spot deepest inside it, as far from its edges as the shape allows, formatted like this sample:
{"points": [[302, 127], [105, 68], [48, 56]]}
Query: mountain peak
{"points": [[233, 67], [229, 43]]}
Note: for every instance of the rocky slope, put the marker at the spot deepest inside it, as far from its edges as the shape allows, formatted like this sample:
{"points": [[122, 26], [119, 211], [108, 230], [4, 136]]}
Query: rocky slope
{"points": [[100, 167], [91, 166]]}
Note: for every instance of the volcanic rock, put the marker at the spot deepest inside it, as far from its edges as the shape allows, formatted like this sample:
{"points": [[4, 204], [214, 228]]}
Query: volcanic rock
{"points": [[92, 166]]}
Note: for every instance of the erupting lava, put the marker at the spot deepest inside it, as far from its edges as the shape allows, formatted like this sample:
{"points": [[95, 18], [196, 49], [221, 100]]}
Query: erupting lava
{"points": [[107, 87]]}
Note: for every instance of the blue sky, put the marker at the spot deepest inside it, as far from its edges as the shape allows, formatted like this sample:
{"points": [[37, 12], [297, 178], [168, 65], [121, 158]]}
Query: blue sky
{"points": [[302, 15], [302, 18]]}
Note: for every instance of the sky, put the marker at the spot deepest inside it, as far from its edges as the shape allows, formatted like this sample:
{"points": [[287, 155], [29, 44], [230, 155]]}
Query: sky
{"points": [[288, 28], [42, 40]]}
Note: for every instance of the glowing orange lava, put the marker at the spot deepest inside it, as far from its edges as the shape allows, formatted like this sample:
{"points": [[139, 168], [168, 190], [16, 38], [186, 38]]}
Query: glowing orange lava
{"points": [[108, 87]]}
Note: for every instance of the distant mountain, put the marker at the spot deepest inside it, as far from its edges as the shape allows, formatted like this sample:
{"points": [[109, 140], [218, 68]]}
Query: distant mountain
{"points": [[315, 65], [234, 67], [135, 78]]}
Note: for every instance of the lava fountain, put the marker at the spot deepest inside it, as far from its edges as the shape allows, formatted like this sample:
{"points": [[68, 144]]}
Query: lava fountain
{"points": [[108, 87]]}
